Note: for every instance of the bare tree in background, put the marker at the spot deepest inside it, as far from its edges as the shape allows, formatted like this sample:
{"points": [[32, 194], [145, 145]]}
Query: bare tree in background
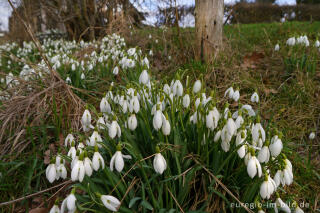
{"points": [[209, 26], [79, 19]]}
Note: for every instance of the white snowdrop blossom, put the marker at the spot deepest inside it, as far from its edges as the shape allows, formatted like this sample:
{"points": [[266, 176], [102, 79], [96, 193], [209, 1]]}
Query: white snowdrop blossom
{"points": [[281, 206], [186, 101], [144, 77], [236, 95], [159, 163], [254, 167], [117, 161], [78, 171], [166, 127], [229, 92], [312, 136], [110, 202], [267, 187], [275, 146], [55, 209], [51, 172], [132, 122], [277, 47], [86, 121], [97, 160], [68, 140], [254, 98], [196, 86]]}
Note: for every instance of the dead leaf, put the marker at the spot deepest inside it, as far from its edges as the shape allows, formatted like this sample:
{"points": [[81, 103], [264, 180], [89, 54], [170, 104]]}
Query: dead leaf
{"points": [[39, 210], [251, 61], [61, 140], [52, 147], [268, 91], [46, 157]]}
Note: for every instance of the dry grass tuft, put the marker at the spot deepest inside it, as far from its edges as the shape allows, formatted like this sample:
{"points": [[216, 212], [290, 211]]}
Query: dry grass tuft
{"points": [[33, 103]]}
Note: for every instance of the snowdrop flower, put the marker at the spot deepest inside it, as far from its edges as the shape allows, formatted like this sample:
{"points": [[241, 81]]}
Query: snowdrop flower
{"points": [[144, 77], [254, 167], [166, 127], [298, 209], [159, 163], [242, 151], [105, 106], [68, 80], [157, 120], [78, 170], [97, 160], [134, 105], [255, 98], [239, 121], [212, 119], [114, 129], [275, 146], [229, 92], [87, 166], [73, 67], [68, 140], [283, 19], [150, 36], [86, 121], [110, 202], [258, 131], [51, 172], [82, 76], [267, 187], [264, 155], [132, 122], [115, 71], [317, 43], [61, 171], [277, 48], [150, 53], [196, 86], [231, 127], [177, 88], [69, 202], [117, 159], [291, 41], [281, 206], [145, 61], [72, 151], [236, 95], [95, 139], [101, 123], [186, 101], [312, 135], [217, 136], [55, 209], [167, 89]]}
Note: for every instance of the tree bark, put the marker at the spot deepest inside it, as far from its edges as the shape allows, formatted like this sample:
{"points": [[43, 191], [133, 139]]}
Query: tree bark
{"points": [[209, 25]]}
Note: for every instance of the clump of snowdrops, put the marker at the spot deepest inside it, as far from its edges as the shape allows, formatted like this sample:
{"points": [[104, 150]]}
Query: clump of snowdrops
{"points": [[300, 53], [149, 146], [108, 57]]}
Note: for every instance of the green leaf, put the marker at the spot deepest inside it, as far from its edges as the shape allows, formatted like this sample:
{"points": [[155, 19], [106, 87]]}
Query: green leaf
{"points": [[133, 201]]}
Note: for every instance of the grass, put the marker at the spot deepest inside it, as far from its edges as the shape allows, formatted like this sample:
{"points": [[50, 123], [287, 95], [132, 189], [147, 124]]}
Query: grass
{"points": [[289, 94]]}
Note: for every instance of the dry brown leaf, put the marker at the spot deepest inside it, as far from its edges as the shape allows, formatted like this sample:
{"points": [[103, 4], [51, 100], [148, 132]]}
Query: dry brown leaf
{"points": [[39, 210], [268, 91], [250, 61], [46, 157]]}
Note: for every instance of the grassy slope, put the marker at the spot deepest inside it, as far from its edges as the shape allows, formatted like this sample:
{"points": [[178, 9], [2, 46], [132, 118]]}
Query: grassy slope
{"points": [[290, 100]]}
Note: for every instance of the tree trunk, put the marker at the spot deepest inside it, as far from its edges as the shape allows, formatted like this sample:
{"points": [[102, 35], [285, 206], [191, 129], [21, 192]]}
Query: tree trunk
{"points": [[209, 24]]}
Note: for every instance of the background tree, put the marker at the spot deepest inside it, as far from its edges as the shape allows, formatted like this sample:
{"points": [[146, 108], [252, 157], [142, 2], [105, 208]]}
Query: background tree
{"points": [[209, 26]]}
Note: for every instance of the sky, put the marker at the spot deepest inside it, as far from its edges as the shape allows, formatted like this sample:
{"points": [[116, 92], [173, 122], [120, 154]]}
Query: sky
{"points": [[149, 6]]}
